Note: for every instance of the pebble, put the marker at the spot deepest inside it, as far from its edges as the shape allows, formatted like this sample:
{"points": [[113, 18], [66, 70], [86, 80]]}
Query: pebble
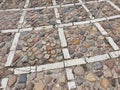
{"points": [[105, 83], [39, 86], [56, 37], [48, 80], [20, 86], [22, 78], [29, 86], [90, 77], [113, 82], [82, 32], [98, 66], [79, 70], [119, 80], [99, 73], [79, 81], [51, 60], [42, 34], [53, 52], [12, 80], [46, 56], [40, 45], [107, 73], [71, 51], [79, 55], [83, 49], [59, 58], [1, 73], [2, 44], [49, 48], [110, 63], [76, 41]]}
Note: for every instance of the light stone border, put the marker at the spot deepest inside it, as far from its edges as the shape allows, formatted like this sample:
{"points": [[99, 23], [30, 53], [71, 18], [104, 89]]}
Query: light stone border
{"points": [[61, 25], [4, 83], [67, 63], [56, 6], [16, 38], [101, 29]]}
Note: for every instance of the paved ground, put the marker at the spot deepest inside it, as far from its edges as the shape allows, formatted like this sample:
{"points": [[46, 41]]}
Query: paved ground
{"points": [[59, 45]]}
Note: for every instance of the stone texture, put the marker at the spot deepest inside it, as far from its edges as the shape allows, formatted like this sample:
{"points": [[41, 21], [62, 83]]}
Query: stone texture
{"points": [[105, 83], [39, 86], [90, 77], [12, 80], [79, 70]]}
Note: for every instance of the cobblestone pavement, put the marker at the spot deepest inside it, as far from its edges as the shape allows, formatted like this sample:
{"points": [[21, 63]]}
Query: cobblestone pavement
{"points": [[59, 45]]}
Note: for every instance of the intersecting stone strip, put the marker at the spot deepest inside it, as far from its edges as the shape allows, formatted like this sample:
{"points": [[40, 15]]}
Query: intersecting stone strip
{"points": [[4, 83], [112, 4], [16, 38], [114, 54], [98, 58], [74, 62], [101, 29], [112, 43], [68, 63], [37, 8]]}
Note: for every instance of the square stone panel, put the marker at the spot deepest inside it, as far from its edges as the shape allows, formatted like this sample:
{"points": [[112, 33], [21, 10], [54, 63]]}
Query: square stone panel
{"points": [[9, 20], [5, 44], [113, 29], [104, 8], [40, 3], [73, 14], [86, 41], [37, 18], [45, 80], [90, 75], [38, 48], [64, 2], [13, 4], [116, 2]]}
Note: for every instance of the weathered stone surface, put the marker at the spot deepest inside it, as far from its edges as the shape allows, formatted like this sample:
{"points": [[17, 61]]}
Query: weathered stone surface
{"points": [[98, 66], [22, 78], [110, 63], [105, 83], [29, 86], [90, 77], [12, 80], [76, 41], [39, 86], [79, 70]]}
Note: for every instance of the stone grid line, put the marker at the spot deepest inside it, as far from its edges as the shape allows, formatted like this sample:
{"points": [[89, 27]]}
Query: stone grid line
{"points": [[61, 25], [56, 6], [110, 40], [16, 38], [63, 42], [69, 62]]}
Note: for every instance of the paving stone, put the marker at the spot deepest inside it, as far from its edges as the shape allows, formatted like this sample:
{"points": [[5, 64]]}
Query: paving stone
{"points": [[12, 80], [39, 86], [110, 63], [105, 83], [22, 78], [29, 86], [20, 86], [90, 77], [79, 70], [98, 65]]}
